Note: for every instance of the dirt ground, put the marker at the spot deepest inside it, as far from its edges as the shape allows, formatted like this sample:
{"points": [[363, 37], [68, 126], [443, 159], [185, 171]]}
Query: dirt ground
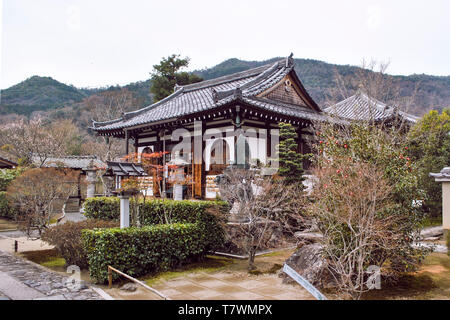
{"points": [[430, 282], [24, 244], [6, 224]]}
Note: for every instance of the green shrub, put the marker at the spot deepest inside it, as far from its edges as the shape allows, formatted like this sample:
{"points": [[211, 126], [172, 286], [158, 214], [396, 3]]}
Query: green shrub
{"points": [[6, 210], [448, 242], [208, 214], [7, 176], [173, 232], [104, 208], [138, 251], [67, 239]]}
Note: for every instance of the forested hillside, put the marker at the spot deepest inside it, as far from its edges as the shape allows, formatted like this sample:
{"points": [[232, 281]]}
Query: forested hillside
{"points": [[38, 93], [55, 99]]}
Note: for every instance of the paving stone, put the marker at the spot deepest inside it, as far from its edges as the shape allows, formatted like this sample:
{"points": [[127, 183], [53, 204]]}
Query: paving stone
{"points": [[189, 288], [24, 280], [246, 295], [211, 283], [57, 297], [205, 294], [228, 289]]}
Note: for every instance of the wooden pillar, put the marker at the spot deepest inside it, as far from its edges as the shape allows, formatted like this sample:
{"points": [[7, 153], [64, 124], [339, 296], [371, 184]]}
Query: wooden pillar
{"points": [[136, 143], [198, 163], [156, 148], [203, 180], [126, 142], [268, 143]]}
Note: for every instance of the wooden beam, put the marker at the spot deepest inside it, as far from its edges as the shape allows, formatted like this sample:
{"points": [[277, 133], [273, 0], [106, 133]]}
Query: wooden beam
{"points": [[126, 142]]}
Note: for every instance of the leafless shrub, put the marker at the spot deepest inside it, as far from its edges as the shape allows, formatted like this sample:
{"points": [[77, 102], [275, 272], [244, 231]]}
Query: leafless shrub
{"points": [[34, 192], [261, 205]]}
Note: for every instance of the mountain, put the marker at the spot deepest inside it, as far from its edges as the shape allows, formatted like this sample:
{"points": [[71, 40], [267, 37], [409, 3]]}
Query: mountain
{"points": [[39, 93], [318, 77], [46, 95]]}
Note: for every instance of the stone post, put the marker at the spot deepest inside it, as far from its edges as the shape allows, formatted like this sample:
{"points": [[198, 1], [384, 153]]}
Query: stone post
{"points": [[91, 178], [124, 211], [444, 178]]}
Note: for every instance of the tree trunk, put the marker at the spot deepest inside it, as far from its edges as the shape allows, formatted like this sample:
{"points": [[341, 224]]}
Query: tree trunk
{"points": [[251, 259]]}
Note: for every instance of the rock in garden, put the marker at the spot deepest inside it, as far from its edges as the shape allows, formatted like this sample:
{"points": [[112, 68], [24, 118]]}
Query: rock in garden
{"points": [[130, 287], [308, 262], [308, 236], [432, 232]]}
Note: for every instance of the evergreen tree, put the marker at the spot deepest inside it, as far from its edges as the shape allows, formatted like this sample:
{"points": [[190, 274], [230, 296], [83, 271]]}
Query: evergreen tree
{"points": [[290, 161], [429, 146], [166, 75]]}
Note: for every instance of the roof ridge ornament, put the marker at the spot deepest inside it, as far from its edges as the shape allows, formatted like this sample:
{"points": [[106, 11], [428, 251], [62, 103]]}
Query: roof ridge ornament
{"points": [[215, 95], [290, 60]]}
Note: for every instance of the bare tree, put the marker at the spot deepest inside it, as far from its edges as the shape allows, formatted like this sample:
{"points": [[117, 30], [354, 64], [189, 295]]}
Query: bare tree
{"points": [[350, 204], [106, 106], [35, 140], [363, 203], [110, 105], [105, 148], [34, 193], [262, 204]]}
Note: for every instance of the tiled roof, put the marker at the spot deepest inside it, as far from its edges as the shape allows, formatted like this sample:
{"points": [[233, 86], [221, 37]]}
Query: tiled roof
{"points": [[210, 94], [288, 109], [6, 163], [72, 162], [125, 169], [362, 107]]}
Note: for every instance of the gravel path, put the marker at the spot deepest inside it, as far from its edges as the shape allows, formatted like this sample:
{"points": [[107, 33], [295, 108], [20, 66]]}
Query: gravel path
{"points": [[25, 280]]}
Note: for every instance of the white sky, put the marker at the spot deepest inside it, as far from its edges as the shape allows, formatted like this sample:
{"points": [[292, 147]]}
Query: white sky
{"points": [[107, 42]]}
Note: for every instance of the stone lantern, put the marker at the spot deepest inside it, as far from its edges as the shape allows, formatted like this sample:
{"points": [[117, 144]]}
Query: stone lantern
{"points": [[121, 170], [444, 178]]}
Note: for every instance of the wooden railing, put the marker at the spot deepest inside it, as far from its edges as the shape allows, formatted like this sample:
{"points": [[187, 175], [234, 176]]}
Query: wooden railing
{"points": [[111, 270]]}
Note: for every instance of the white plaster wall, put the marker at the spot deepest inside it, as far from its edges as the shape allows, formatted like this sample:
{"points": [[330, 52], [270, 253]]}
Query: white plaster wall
{"points": [[446, 205]]}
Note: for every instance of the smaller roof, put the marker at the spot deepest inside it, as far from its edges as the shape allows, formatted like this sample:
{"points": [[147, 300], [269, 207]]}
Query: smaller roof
{"points": [[5, 163], [443, 176], [362, 107], [125, 169], [72, 162]]}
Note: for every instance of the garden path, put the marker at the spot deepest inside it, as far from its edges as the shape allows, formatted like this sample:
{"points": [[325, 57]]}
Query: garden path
{"points": [[25, 280]]}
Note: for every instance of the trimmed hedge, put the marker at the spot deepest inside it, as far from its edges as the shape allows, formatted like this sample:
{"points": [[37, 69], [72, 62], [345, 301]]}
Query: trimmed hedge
{"points": [[174, 232], [138, 251], [207, 213], [102, 208]]}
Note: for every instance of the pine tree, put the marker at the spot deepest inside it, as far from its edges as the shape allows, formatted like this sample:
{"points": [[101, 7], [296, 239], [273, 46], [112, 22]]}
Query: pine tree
{"points": [[290, 161], [167, 74]]}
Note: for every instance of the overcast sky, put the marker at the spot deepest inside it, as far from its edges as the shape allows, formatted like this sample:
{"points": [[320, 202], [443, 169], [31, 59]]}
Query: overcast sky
{"points": [[106, 42]]}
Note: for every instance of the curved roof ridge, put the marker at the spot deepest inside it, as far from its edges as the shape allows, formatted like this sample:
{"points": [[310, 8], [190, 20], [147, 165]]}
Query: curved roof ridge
{"points": [[126, 115], [222, 94], [94, 123], [154, 105], [230, 77]]}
